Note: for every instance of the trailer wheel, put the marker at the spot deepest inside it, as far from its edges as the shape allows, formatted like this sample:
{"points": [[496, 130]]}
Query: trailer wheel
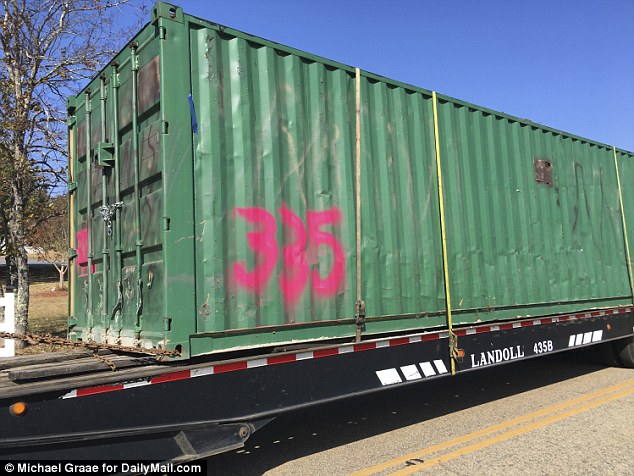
{"points": [[625, 350]]}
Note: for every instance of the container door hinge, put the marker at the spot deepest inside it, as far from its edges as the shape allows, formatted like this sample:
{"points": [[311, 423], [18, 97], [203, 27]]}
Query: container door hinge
{"points": [[72, 254], [164, 127], [162, 33], [72, 186]]}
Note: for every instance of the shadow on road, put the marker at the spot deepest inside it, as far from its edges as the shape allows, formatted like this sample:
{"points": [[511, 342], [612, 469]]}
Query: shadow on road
{"points": [[327, 426]]}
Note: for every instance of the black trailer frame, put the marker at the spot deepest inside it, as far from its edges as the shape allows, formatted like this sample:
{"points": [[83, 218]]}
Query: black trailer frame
{"points": [[182, 411]]}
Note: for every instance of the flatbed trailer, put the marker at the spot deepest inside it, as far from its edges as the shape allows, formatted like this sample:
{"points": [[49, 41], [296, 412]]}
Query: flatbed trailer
{"points": [[182, 411], [255, 229]]}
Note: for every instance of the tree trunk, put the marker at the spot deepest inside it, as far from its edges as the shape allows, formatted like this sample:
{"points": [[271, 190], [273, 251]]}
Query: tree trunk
{"points": [[20, 259], [62, 271], [22, 296], [1, 308]]}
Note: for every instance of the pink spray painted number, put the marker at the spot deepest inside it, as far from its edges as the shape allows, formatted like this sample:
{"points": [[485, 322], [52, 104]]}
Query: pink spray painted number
{"points": [[82, 252], [330, 284], [305, 241], [294, 276], [263, 243]]}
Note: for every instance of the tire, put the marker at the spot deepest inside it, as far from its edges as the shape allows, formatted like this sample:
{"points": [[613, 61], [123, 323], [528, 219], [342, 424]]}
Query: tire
{"points": [[625, 351]]}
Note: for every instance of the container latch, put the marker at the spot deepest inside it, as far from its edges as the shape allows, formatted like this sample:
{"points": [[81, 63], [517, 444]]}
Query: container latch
{"points": [[108, 214]]}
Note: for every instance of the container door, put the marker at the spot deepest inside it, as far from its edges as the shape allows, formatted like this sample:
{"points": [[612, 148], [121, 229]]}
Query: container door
{"points": [[118, 204]]}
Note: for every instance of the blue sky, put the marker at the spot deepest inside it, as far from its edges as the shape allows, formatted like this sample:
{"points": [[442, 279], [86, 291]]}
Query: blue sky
{"points": [[566, 64]]}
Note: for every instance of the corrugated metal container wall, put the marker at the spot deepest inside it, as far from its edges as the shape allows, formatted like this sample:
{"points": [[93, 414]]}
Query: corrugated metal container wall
{"points": [[402, 277], [624, 165], [273, 175], [223, 201], [520, 244]]}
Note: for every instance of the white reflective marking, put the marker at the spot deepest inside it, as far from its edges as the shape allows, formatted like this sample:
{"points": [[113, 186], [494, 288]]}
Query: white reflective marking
{"points": [[71, 394], [587, 337], [440, 365], [303, 355], [388, 376], [495, 328], [138, 384], [579, 339], [517, 325], [428, 370], [597, 336], [346, 349], [415, 339], [383, 343], [571, 342], [411, 372], [443, 334], [202, 372], [471, 332], [256, 363]]}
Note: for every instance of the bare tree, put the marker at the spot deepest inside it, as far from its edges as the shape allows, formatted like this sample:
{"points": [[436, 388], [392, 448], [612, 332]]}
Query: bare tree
{"points": [[47, 47]]}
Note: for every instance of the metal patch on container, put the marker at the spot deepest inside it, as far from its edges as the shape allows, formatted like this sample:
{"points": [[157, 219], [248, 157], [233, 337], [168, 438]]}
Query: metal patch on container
{"points": [[95, 128], [149, 85], [125, 103], [127, 171], [150, 150], [543, 171], [81, 139]]}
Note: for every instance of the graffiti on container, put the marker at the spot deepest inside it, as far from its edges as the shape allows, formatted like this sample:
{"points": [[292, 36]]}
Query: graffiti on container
{"points": [[298, 255], [82, 252], [263, 243]]}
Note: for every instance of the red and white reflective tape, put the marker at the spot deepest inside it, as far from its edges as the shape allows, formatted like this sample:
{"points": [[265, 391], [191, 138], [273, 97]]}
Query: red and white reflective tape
{"points": [[331, 351], [541, 321]]}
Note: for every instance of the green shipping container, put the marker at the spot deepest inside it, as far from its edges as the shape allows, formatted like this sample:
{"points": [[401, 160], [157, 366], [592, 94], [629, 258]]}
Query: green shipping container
{"points": [[218, 202]]}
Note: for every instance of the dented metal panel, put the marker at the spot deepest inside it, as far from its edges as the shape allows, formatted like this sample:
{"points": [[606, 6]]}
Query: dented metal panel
{"points": [[274, 224], [223, 212]]}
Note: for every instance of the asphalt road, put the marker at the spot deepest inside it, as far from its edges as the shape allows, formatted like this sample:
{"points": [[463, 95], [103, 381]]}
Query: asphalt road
{"points": [[560, 414]]}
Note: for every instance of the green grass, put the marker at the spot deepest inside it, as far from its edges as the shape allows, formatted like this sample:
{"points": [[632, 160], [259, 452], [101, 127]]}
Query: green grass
{"points": [[48, 314], [48, 309]]}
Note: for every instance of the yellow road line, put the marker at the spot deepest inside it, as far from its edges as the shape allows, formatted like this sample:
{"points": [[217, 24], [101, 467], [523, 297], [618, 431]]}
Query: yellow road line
{"points": [[513, 433], [492, 429]]}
